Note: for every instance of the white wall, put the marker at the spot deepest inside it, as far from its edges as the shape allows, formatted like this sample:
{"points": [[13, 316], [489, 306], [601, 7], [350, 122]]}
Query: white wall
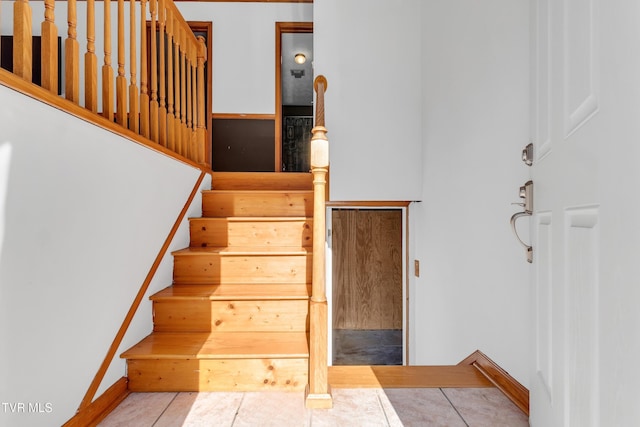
{"points": [[473, 293], [370, 54], [83, 214], [243, 45]]}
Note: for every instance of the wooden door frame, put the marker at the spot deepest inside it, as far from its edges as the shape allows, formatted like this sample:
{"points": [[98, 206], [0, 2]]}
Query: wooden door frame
{"points": [[281, 28], [402, 206]]}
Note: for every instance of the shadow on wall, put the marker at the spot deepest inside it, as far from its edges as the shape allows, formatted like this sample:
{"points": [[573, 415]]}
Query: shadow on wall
{"points": [[5, 163]]}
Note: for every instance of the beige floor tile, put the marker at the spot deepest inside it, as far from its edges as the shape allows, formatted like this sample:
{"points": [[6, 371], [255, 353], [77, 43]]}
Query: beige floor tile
{"points": [[265, 409], [351, 407], [201, 410], [423, 407], [482, 407], [139, 409]]}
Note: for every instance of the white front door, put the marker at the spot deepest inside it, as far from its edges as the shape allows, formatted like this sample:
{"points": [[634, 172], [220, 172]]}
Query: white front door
{"points": [[586, 271]]}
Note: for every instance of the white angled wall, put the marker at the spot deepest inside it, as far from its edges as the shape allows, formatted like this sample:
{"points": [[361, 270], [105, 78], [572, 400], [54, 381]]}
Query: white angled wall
{"points": [[83, 214], [370, 54], [474, 288]]}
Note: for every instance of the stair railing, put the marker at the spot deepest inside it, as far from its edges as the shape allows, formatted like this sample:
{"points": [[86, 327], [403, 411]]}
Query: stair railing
{"points": [[167, 106], [318, 394]]}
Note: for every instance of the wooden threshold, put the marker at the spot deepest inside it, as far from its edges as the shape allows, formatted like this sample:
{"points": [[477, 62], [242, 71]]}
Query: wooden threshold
{"points": [[459, 376]]}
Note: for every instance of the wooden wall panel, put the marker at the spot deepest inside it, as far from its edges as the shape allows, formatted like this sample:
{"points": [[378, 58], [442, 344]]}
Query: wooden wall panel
{"points": [[367, 269]]}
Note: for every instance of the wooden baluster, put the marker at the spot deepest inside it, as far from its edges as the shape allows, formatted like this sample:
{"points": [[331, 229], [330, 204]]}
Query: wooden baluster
{"points": [[134, 108], [72, 56], [107, 71], [91, 61], [144, 92], [49, 51], [183, 94], [318, 393], [162, 111], [121, 79], [201, 134], [189, 103], [153, 108], [194, 103], [22, 39], [171, 142], [176, 71]]}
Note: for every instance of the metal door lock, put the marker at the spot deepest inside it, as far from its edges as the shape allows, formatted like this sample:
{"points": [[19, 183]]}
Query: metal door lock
{"points": [[526, 193]]}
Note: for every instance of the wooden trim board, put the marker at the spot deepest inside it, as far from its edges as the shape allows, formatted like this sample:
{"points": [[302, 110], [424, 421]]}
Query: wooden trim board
{"points": [[101, 407], [246, 116], [369, 204], [515, 391]]}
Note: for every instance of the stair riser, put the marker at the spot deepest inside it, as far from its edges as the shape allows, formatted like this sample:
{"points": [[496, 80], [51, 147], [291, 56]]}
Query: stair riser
{"points": [[214, 232], [280, 204], [171, 375], [261, 181], [230, 316], [214, 268]]}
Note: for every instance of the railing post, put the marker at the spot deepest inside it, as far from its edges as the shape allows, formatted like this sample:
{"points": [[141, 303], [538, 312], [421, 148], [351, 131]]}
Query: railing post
{"points": [[153, 109], [22, 39], [134, 106], [91, 61], [49, 51], [201, 135], [107, 70], [144, 89], [72, 56], [121, 79], [171, 138], [318, 394], [162, 111]]}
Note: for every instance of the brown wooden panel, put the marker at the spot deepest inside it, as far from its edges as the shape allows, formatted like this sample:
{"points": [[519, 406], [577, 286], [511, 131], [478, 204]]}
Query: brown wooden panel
{"points": [[367, 269], [243, 145]]}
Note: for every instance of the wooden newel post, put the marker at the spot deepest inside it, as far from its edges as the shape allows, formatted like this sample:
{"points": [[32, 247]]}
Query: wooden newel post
{"points": [[318, 394], [22, 39]]}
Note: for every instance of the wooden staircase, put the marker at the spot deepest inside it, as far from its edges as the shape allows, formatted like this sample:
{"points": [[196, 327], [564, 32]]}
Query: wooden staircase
{"points": [[237, 315]]}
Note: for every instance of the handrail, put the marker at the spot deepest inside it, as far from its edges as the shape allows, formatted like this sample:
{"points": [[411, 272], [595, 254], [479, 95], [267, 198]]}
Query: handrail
{"points": [[318, 394], [147, 108]]}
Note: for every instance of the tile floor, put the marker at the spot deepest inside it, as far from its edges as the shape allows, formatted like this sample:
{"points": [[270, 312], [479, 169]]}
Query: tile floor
{"points": [[367, 347], [448, 407]]}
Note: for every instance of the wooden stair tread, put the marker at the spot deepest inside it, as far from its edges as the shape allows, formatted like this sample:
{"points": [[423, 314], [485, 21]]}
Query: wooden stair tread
{"points": [[239, 251], [258, 192], [253, 218], [220, 345], [235, 292]]}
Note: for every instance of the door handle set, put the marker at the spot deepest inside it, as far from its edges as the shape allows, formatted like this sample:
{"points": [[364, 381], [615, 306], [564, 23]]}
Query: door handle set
{"points": [[526, 194]]}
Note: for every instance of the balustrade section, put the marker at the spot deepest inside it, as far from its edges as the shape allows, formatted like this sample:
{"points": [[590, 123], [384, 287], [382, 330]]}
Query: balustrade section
{"points": [[164, 103]]}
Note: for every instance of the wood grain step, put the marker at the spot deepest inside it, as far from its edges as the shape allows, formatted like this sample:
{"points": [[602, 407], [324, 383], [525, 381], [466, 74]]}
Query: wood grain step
{"points": [[199, 315], [257, 203], [261, 181], [261, 291], [220, 345], [242, 265], [255, 231], [170, 375]]}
